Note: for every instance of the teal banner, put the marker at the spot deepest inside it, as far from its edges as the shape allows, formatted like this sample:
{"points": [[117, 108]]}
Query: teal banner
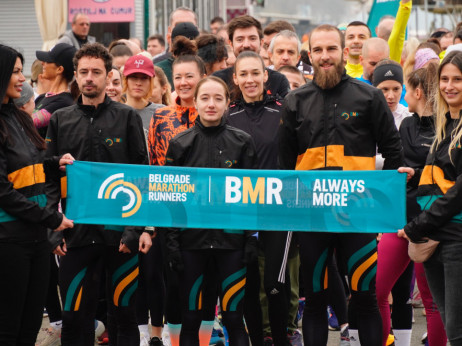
{"points": [[379, 9], [331, 201]]}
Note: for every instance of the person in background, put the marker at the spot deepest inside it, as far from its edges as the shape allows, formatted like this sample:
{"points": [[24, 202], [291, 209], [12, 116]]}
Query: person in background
{"points": [[59, 71], [284, 49], [78, 35], [24, 248], [156, 45], [374, 50], [294, 76], [269, 32], [355, 35], [120, 53], [161, 92], [27, 100], [114, 87], [40, 85], [213, 52], [216, 24]]}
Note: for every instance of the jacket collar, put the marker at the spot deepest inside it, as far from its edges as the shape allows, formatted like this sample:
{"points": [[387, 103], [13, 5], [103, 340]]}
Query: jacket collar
{"points": [[93, 109]]}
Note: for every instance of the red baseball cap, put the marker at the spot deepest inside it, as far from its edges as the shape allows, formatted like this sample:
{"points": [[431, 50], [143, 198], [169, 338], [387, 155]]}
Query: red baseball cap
{"points": [[139, 64]]}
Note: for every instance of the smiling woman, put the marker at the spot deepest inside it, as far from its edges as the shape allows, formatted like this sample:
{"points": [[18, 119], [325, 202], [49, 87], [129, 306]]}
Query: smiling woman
{"points": [[24, 249]]}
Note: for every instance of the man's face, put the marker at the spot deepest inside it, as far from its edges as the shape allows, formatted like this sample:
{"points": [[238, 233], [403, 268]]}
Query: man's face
{"points": [[285, 52], [215, 27], [154, 47], [91, 77], [265, 46], [446, 40], [326, 56], [369, 62], [246, 39], [354, 39], [180, 17], [81, 27]]}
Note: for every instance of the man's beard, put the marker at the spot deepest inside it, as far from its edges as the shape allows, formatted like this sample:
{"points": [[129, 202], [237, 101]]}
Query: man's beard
{"points": [[328, 79], [93, 94]]}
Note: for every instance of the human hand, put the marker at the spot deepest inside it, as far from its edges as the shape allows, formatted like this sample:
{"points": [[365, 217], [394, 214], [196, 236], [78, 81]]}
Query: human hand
{"points": [[65, 223], [145, 242], [410, 172], [66, 159], [60, 250]]}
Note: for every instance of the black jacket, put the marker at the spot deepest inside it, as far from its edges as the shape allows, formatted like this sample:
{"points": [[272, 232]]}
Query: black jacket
{"points": [[219, 146], [338, 128], [440, 193], [261, 120], [277, 83], [23, 217], [417, 135], [111, 132]]}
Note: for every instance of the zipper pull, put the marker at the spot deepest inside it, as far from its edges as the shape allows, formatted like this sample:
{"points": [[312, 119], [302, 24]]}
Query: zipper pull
{"points": [[91, 120]]}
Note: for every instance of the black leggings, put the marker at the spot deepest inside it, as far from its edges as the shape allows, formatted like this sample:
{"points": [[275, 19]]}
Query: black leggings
{"points": [[336, 291], [80, 273], [231, 274], [359, 253], [24, 269], [151, 289], [53, 305], [401, 313]]}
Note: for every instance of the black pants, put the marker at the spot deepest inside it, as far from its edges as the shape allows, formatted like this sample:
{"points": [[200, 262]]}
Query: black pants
{"points": [[24, 271], [80, 274], [151, 289], [53, 305], [231, 274]]}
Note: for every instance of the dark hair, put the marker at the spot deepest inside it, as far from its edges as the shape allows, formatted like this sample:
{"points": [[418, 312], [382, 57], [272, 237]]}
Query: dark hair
{"points": [[328, 27], [117, 49], [277, 26], [94, 50], [212, 79], [291, 69], [426, 79], [457, 35], [243, 22], [217, 20], [212, 49], [185, 50], [8, 58], [359, 23], [157, 37], [236, 92]]}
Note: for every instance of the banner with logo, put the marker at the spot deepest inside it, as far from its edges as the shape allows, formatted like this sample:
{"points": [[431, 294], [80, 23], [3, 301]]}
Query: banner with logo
{"points": [[332, 201], [379, 9]]}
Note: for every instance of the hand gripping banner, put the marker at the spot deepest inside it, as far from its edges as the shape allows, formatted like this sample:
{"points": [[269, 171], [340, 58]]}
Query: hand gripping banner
{"points": [[326, 201]]}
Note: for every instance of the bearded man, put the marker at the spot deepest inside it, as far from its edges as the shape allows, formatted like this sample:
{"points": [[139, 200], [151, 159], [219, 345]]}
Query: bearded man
{"points": [[336, 123]]}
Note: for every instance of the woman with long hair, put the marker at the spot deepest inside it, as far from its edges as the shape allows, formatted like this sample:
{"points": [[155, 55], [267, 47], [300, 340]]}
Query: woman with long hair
{"points": [[161, 93], [439, 194], [211, 143], [417, 134], [258, 113], [24, 249], [114, 87]]}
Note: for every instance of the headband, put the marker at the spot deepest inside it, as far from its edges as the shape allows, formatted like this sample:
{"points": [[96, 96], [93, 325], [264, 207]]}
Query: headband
{"points": [[387, 72]]}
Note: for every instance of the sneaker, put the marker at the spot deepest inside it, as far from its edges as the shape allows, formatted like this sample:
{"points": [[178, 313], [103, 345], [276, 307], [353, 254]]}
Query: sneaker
{"points": [[99, 329], [53, 337], [268, 341], [332, 319], [390, 340], [295, 338], [155, 341], [301, 307], [144, 339], [217, 336], [424, 338], [103, 339], [345, 337]]}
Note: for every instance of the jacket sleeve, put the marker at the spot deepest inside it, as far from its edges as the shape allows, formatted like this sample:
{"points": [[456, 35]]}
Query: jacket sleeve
{"points": [[440, 212], [174, 156], [287, 136], [152, 140], [386, 133], [398, 34], [51, 166], [17, 205], [136, 140], [283, 86]]}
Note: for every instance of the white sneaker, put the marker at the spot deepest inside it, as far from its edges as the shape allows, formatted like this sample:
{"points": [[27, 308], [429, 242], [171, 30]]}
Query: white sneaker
{"points": [[99, 329], [53, 337], [144, 339]]}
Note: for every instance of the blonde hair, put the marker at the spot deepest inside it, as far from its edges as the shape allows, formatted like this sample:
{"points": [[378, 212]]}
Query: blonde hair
{"points": [[149, 92], [442, 108], [167, 96]]}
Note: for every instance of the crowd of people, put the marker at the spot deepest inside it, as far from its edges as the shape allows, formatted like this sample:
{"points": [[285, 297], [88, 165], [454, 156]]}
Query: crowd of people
{"points": [[258, 98]]}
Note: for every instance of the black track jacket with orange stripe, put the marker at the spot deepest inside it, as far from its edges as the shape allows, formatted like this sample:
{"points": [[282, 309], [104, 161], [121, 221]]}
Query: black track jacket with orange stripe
{"points": [[22, 186], [338, 128], [440, 193]]}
